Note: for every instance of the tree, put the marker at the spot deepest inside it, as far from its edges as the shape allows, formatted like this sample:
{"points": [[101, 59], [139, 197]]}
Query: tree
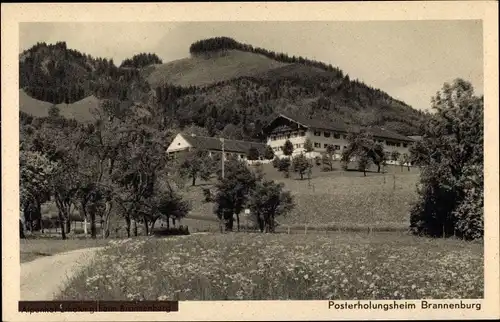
{"points": [[451, 189], [232, 192], [35, 174], [288, 148], [284, 166], [197, 164], [253, 154], [327, 162], [395, 155], [269, 153], [363, 163], [169, 204], [268, 201], [301, 165], [54, 111], [276, 162], [308, 146], [365, 149]]}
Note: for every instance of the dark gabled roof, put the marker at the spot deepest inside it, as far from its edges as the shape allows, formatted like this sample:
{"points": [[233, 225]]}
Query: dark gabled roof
{"points": [[210, 143], [380, 132], [317, 123], [324, 124]]}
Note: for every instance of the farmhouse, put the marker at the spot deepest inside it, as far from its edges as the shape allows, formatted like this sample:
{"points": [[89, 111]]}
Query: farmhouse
{"points": [[322, 133], [232, 148]]}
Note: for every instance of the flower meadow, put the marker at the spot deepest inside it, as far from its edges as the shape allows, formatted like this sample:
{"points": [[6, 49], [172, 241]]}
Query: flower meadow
{"points": [[247, 266]]}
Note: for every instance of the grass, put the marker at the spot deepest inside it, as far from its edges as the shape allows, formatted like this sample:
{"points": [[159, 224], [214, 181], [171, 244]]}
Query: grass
{"points": [[199, 71], [80, 110], [282, 267], [31, 249], [337, 199]]}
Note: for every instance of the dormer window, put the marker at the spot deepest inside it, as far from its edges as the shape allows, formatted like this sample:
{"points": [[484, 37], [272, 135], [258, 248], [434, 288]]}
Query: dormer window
{"points": [[326, 134]]}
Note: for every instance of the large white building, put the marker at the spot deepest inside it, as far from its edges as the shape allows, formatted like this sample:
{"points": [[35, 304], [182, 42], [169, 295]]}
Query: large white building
{"points": [[322, 133]]}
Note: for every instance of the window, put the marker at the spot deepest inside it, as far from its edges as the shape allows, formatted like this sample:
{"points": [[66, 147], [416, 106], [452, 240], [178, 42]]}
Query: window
{"points": [[288, 136], [242, 156], [302, 133], [405, 145], [344, 136], [345, 146], [336, 135], [317, 133], [294, 135], [337, 147], [326, 145], [317, 145], [327, 135]]}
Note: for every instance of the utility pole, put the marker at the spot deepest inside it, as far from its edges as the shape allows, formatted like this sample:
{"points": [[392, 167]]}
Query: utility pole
{"points": [[222, 158], [221, 223]]}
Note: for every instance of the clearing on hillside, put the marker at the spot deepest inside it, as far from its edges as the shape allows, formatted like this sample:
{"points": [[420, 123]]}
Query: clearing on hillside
{"points": [[217, 67], [80, 110]]}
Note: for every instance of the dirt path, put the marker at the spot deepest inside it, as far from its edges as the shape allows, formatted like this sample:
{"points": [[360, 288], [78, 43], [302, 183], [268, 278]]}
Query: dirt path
{"points": [[43, 278]]}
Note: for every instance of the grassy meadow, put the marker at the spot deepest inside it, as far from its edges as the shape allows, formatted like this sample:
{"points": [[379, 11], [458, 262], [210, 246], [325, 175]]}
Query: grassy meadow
{"points": [[246, 266], [332, 200]]}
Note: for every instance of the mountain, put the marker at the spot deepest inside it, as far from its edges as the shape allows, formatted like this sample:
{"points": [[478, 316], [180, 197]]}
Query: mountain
{"points": [[224, 86]]}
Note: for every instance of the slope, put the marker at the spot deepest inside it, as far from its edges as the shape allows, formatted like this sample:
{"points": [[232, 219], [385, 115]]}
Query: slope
{"points": [[210, 68], [80, 110]]}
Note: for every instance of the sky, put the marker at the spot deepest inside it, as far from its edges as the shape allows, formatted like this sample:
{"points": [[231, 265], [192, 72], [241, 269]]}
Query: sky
{"points": [[410, 60]]}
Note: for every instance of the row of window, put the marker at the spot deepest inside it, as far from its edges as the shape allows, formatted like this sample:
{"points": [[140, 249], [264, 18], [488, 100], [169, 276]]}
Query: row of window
{"points": [[316, 145], [287, 136], [327, 134]]}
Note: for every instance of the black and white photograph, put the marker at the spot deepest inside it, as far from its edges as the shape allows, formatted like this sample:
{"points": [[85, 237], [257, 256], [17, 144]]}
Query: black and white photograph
{"points": [[334, 161]]}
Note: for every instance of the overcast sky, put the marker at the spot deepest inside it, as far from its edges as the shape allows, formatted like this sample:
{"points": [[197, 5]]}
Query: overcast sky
{"points": [[410, 60]]}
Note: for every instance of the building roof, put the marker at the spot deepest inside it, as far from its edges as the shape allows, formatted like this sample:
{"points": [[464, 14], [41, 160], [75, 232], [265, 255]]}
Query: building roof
{"points": [[339, 126], [317, 123], [380, 132], [211, 143]]}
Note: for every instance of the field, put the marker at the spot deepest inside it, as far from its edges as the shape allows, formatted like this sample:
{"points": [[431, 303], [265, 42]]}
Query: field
{"points": [[246, 266], [31, 249], [335, 200]]}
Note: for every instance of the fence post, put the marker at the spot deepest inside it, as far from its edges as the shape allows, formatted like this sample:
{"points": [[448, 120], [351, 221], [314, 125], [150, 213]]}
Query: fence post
{"points": [[305, 230]]}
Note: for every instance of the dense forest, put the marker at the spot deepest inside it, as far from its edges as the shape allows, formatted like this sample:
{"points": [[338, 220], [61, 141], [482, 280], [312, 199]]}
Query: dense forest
{"points": [[141, 60], [237, 108]]}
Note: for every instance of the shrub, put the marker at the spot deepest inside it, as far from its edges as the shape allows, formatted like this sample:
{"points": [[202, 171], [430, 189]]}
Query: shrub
{"points": [[276, 162]]}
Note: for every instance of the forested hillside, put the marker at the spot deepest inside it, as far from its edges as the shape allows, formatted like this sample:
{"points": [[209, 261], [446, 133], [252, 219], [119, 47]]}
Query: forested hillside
{"points": [[225, 86]]}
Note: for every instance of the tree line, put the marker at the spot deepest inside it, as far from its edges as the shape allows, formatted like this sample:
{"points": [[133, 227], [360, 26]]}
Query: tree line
{"points": [[115, 165]]}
